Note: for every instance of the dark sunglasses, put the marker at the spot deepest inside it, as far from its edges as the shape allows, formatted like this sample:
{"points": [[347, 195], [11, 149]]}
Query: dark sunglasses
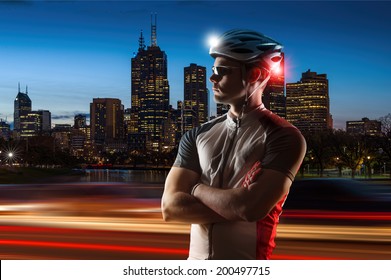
{"points": [[223, 70]]}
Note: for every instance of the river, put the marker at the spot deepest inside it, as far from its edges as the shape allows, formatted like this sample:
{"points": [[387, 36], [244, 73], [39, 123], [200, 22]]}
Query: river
{"points": [[125, 176]]}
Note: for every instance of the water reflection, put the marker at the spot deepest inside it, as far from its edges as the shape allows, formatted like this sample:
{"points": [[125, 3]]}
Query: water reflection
{"points": [[134, 176]]}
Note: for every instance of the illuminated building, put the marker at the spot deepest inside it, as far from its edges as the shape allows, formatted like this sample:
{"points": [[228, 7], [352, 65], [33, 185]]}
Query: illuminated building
{"points": [[62, 136], [36, 123], [221, 109], [81, 145], [196, 109], [80, 121], [22, 106], [28, 123], [273, 96], [307, 102], [150, 93], [364, 127], [4, 130], [106, 122], [170, 129]]}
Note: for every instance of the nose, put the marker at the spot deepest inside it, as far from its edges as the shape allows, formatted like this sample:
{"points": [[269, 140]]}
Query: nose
{"points": [[214, 78]]}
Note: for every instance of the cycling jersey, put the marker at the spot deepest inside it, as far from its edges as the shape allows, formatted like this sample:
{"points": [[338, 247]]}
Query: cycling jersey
{"points": [[222, 151]]}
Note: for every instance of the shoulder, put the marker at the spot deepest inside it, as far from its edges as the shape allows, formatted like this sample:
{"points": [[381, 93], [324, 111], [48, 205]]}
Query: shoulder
{"points": [[280, 130], [204, 128]]}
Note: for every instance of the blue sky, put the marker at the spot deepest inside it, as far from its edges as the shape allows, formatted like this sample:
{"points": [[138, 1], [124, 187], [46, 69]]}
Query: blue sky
{"points": [[72, 51]]}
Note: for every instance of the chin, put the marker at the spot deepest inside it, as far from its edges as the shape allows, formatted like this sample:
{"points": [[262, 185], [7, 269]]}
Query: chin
{"points": [[219, 99]]}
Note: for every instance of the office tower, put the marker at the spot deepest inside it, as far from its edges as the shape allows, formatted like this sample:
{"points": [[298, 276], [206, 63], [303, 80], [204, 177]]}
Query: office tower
{"points": [[80, 121], [46, 120], [127, 121], [62, 134], [81, 145], [307, 102], [36, 123], [22, 106], [273, 95], [106, 121], [364, 127], [221, 109], [196, 109], [4, 130], [150, 92], [31, 125], [170, 129]]}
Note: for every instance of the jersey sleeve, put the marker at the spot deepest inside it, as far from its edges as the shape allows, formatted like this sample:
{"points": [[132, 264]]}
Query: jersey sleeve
{"points": [[285, 151], [187, 156]]}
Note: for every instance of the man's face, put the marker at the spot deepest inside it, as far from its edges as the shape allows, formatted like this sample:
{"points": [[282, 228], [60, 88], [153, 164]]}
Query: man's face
{"points": [[227, 86]]}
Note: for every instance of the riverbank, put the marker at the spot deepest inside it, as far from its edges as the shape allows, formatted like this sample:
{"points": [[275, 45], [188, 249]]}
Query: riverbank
{"points": [[28, 175]]}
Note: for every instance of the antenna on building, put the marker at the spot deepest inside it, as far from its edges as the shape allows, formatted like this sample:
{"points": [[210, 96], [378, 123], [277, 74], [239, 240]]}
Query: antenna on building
{"points": [[26, 90], [153, 31], [141, 41], [19, 87]]}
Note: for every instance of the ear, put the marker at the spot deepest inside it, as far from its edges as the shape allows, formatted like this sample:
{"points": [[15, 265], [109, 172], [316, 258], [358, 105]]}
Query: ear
{"points": [[254, 75]]}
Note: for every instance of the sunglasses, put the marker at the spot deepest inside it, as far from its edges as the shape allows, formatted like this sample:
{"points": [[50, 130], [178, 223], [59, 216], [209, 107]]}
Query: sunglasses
{"points": [[223, 70]]}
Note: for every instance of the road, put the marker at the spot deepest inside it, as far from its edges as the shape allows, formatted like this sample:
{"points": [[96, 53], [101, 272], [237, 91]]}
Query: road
{"points": [[116, 227]]}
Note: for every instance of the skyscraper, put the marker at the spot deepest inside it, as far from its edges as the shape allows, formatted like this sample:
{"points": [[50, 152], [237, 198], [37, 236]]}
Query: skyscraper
{"points": [[106, 121], [22, 106], [150, 91], [36, 123], [4, 129], [222, 109], [307, 102], [196, 109], [273, 96], [80, 121]]}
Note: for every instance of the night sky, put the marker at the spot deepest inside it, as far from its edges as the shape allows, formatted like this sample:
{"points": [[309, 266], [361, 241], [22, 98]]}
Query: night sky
{"points": [[70, 52]]}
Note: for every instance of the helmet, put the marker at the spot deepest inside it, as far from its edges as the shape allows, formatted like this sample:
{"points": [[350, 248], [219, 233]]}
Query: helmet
{"points": [[248, 46]]}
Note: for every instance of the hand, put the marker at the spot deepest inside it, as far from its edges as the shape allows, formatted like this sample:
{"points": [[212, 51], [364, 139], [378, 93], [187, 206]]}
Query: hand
{"points": [[252, 175]]}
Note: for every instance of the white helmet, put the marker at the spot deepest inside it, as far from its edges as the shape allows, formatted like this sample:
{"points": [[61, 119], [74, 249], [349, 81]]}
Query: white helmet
{"points": [[248, 46]]}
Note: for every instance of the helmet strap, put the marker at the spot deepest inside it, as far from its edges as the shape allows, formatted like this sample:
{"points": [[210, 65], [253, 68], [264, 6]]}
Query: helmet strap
{"points": [[247, 97]]}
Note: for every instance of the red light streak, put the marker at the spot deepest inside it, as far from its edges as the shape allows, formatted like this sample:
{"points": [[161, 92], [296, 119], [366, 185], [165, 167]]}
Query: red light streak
{"points": [[298, 257], [104, 247], [376, 216]]}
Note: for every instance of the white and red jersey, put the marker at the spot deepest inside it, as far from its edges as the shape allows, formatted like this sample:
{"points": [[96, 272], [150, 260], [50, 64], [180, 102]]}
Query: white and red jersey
{"points": [[222, 151]]}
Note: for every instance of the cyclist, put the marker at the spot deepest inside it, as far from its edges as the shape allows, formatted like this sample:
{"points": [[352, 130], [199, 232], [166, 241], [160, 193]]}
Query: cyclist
{"points": [[232, 174]]}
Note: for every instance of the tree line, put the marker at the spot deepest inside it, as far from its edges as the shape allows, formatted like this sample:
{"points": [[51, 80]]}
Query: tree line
{"points": [[331, 149], [339, 149]]}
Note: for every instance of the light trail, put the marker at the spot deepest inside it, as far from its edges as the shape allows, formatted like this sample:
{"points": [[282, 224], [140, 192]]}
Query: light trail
{"points": [[157, 225], [85, 246], [338, 215]]}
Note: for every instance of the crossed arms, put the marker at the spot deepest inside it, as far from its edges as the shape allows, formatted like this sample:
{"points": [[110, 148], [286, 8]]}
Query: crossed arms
{"points": [[260, 191]]}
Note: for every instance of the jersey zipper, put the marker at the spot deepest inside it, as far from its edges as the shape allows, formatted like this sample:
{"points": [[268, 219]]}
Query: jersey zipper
{"points": [[225, 159]]}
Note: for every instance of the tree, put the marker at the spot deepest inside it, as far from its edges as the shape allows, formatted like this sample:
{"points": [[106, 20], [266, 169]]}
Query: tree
{"points": [[319, 149], [384, 142], [349, 148]]}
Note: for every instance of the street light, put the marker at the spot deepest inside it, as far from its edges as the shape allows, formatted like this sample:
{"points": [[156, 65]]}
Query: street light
{"points": [[369, 167], [10, 156]]}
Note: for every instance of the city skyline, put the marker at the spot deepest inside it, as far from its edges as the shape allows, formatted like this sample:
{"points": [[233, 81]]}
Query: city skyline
{"points": [[67, 51]]}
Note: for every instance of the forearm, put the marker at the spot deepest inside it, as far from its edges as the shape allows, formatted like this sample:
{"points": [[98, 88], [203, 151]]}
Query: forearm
{"points": [[225, 202], [249, 203], [183, 207]]}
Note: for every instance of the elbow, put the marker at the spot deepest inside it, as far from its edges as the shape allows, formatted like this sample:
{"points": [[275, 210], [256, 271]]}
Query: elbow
{"points": [[167, 217], [166, 213]]}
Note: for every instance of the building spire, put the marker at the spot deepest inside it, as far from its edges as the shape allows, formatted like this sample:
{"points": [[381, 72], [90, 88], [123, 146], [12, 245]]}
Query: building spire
{"points": [[141, 41], [27, 90], [153, 31], [19, 87]]}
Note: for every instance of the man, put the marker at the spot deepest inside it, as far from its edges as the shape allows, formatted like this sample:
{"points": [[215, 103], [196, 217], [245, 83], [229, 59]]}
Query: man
{"points": [[232, 174]]}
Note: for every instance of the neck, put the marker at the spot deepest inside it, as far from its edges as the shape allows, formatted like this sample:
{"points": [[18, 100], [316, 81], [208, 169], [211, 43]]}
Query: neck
{"points": [[236, 111]]}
